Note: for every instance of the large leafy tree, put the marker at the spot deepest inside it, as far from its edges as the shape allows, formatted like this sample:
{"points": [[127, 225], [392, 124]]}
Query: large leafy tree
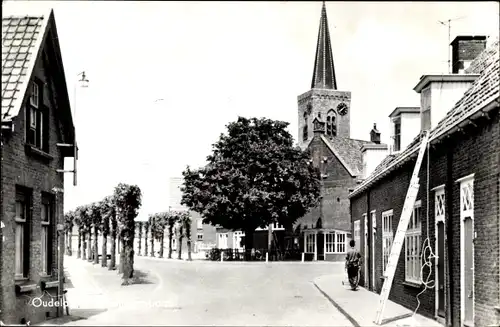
{"points": [[254, 177], [128, 199]]}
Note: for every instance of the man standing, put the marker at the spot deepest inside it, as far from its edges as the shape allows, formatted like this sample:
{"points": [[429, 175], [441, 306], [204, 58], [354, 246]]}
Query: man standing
{"points": [[352, 264]]}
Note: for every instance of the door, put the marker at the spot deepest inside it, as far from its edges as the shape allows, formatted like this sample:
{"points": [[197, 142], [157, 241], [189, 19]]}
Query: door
{"points": [[321, 246], [372, 256], [468, 273], [467, 247], [440, 270], [365, 252]]}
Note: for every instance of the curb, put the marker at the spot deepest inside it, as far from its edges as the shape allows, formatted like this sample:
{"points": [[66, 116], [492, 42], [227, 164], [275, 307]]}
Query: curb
{"points": [[338, 307]]}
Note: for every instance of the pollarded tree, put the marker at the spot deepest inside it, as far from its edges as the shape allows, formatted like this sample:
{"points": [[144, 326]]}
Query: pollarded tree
{"points": [[253, 178], [86, 224], [146, 231], [185, 222], [113, 222], [95, 214], [179, 229], [68, 230], [159, 230], [128, 201], [78, 222], [172, 218], [106, 209], [138, 226], [152, 226]]}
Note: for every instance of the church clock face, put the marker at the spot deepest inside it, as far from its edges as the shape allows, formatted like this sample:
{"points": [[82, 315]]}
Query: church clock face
{"points": [[342, 109]]}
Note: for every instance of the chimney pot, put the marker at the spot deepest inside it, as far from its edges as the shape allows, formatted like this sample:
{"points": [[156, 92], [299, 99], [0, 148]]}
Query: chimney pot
{"points": [[465, 49], [375, 134]]}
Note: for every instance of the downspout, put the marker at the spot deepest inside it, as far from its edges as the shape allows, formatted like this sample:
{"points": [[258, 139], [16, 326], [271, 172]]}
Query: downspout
{"points": [[370, 242], [449, 234]]}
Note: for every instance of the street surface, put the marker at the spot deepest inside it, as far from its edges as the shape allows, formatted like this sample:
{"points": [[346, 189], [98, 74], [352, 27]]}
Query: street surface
{"points": [[195, 293]]}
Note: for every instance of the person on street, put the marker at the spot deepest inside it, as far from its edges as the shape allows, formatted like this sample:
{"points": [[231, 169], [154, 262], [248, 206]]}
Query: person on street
{"points": [[352, 264]]}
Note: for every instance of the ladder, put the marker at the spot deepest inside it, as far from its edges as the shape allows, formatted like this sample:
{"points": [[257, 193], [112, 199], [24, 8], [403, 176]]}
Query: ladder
{"points": [[401, 231]]}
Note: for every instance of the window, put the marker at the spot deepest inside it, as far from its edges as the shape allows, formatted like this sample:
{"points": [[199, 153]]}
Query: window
{"points": [[331, 123], [278, 226], [305, 132], [310, 244], [237, 238], [199, 223], [37, 119], [387, 237], [47, 215], [397, 134], [199, 236], [413, 239], [22, 236], [439, 209], [335, 242], [425, 105]]}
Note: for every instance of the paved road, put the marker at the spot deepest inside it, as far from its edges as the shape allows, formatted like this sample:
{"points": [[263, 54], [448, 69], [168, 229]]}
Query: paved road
{"points": [[215, 293]]}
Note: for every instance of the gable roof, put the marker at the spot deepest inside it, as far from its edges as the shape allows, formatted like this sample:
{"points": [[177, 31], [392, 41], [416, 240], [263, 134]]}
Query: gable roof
{"points": [[348, 152], [484, 92], [23, 41]]}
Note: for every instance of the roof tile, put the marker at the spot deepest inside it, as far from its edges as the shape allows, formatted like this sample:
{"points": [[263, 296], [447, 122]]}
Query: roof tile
{"points": [[18, 40], [486, 86], [350, 152]]}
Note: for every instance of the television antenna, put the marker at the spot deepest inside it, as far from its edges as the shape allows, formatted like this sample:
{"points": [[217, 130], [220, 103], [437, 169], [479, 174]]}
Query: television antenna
{"points": [[448, 23]]}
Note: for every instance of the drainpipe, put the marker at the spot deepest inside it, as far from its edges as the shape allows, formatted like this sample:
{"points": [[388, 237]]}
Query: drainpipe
{"points": [[449, 234]]}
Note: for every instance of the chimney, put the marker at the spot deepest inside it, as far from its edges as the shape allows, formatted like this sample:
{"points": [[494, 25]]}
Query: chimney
{"points": [[318, 126], [372, 154], [375, 135], [405, 126], [464, 49]]}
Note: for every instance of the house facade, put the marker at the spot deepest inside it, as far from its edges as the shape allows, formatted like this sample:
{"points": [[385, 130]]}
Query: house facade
{"points": [[453, 234], [36, 117]]}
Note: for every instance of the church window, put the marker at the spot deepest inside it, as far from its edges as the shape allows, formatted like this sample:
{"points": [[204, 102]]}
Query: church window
{"points": [[305, 133], [331, 123]]}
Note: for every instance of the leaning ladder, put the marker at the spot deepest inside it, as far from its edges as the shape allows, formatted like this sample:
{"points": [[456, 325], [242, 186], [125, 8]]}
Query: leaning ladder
{"points": [[400, 233]]}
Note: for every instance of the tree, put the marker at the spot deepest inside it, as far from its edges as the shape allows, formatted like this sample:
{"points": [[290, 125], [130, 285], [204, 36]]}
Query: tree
{"points": [[172, 218], [152, 226], [180, 235], [128, 201], [185, 222], [78, 222], [159, 230], [95, 218], [68, 228], [146, 231], [85, 218], [138, 225], [106, 210], [113, 231], [253, 178]]}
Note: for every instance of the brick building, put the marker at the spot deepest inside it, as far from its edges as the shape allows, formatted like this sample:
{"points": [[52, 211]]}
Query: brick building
{"points": [[456, 214], [324, 129], [36, 116]]}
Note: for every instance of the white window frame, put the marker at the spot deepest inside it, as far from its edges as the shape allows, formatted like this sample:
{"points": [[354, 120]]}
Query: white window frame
{"points": [[35, 95], [237, 236], [413, 263], [310, 243], [335, 242], [21, 221], [222, 240], [199, 236], [357, 234], [387, 237], [46, 219], [396, 136], [373, 217], [199, 223]]}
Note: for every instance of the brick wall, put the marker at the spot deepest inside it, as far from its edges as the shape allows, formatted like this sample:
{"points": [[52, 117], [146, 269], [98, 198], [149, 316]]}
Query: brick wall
{"points": [[22, 169], [476, 151]]}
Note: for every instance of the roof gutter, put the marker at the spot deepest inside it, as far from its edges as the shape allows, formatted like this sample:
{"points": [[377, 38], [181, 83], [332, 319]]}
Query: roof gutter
{"points": [[491, 104]]}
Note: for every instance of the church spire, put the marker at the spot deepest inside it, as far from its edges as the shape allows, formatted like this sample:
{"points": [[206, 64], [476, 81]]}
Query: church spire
{"points": [[324, 71]]}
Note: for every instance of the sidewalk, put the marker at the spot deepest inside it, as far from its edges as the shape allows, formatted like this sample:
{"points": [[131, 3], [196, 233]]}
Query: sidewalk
{"points": [[360, 306]]}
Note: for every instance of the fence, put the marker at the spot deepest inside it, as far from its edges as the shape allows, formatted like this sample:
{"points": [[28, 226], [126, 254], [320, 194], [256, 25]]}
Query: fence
{"points": [[254, 255]]}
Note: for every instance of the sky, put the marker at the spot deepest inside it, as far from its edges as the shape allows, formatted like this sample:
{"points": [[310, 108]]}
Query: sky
{"points": [[165, 78]]}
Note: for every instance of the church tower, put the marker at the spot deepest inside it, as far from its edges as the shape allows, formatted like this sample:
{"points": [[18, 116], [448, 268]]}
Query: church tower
{"points": [[324, 101]]}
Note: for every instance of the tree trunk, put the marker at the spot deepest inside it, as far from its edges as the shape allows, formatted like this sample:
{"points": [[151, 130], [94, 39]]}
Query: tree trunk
{"points": [[152, 244], [140, 240], [112, 263], [162, 244], [118, 241], [189, 248], [248, 244], [79, 253], [66, 241], [170, 237], [146, 241], [70, 243], [121, 247], [104, 259], [89, 246], [179, 248], [96, 242], [84, 239]]}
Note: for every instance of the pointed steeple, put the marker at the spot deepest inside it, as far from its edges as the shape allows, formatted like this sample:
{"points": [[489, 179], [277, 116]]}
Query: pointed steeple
{"points": [[324, 71]]}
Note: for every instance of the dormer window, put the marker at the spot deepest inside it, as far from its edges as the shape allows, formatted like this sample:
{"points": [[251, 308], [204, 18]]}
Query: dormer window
{"points": [[37, 119], [331, 123], [426, 109]]}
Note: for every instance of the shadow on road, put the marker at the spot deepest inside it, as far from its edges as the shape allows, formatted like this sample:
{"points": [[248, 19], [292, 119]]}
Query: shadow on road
{"points": [[141, 278]]}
